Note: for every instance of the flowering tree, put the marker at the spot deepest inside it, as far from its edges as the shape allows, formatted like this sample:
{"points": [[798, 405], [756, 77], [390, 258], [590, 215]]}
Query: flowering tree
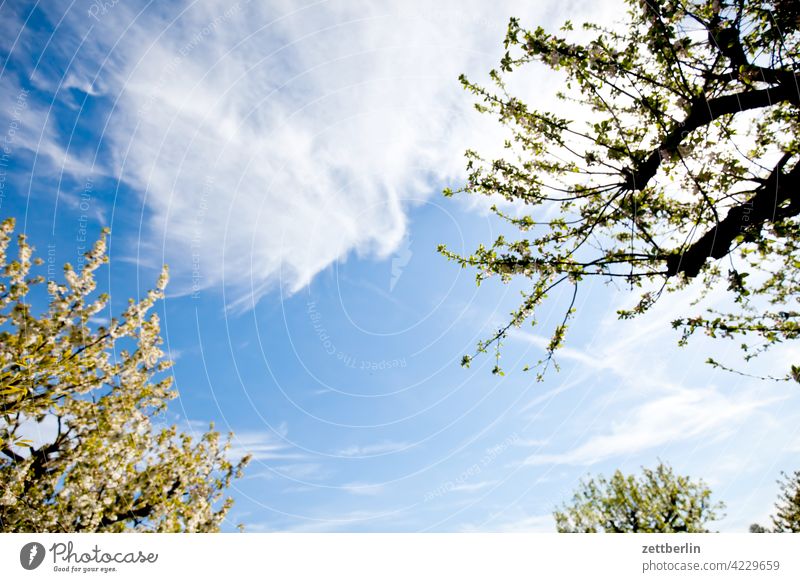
{"points": [[679, 162], [108, 467], [787, 508], [657, 502]]}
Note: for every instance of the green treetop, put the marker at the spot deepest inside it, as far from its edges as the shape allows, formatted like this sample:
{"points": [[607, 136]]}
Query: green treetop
{"points": [[658, 501]]}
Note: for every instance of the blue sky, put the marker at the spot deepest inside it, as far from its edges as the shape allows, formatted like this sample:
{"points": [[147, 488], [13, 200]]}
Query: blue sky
{"points": [[286, 160]]}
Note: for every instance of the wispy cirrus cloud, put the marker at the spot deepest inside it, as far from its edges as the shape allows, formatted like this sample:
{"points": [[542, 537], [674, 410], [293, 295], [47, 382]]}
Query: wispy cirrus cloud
{"points": [[650, 403], [472, 487], [262, 446], [358, 488], [660, 421], [366, 450], [523, 524], [269, 140]]}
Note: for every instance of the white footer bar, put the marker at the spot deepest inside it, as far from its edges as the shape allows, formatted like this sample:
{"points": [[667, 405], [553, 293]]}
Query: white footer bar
{"points": [[400, 557]]}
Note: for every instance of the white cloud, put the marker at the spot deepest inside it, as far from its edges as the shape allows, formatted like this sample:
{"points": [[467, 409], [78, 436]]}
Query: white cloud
{"points": [[470, 487], [653, 402], [369, 489], [681, 416], [300, 472], [375, 449], [270, 141], [354, 520], [26, 124], [524, 524], [576, 355], [263, 446]]}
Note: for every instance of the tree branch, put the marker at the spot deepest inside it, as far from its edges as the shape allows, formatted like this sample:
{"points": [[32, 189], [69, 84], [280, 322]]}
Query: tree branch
{"points": [[703, 112], [768, 204], [138, 513], [12, 455]]}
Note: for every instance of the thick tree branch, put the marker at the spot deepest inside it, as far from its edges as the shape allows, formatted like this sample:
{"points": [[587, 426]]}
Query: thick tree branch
{"points": [[776, 199], [137, 513], [703, 112], [12, 455], [727, 41]]}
